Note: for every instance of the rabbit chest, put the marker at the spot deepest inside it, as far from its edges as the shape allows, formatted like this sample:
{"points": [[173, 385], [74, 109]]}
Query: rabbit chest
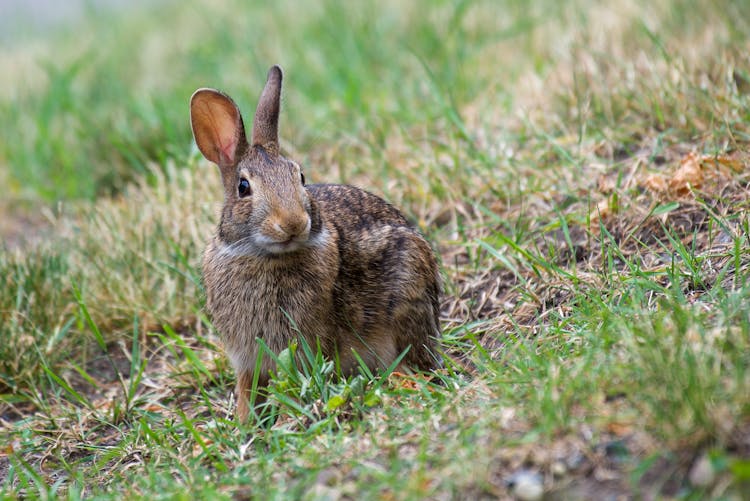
{"points": [[273, 299]]}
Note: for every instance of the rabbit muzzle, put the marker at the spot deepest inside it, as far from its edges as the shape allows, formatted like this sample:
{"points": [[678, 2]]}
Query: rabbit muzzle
{"points": [[285, 234]]}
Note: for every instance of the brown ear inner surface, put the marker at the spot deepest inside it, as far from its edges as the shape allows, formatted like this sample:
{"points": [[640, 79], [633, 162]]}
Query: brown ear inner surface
{"points": [[217, 126], [266, 122]]}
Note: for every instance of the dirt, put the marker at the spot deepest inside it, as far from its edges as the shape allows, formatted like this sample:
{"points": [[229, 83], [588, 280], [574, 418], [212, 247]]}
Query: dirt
{"points": [[23, 229]]}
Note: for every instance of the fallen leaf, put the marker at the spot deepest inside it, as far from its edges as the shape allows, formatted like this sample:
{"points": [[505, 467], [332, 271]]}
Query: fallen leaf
{"points": [[694, 172], [656, 183], [604, 208], [606, 184], [407, 381], [688, 175], [733, 163], [619, 429], [601, 212]]}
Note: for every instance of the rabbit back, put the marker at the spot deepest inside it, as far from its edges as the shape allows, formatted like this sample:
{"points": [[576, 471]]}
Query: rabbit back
{"points": [[386, 292]]}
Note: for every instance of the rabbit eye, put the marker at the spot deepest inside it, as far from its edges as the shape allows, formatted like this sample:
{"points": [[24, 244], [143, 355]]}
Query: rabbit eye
{"points": [[244, 187], [302, 178]]}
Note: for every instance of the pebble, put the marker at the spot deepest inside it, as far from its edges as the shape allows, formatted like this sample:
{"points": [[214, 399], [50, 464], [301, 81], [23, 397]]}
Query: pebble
{"points": [[702, 472], [558, 469], [526, 485]]}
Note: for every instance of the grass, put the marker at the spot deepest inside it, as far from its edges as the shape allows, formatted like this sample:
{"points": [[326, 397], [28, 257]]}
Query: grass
{"points": [[582, 170]]}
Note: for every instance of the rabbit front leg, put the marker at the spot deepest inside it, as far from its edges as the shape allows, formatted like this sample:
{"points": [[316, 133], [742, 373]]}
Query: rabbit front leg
{"points": [[243, 393]]}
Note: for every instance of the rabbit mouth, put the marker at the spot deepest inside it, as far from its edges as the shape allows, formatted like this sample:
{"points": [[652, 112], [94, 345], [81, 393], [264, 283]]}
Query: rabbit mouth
{"points": [[277, 244], [286, 246], [262, 245], [280, 239]]}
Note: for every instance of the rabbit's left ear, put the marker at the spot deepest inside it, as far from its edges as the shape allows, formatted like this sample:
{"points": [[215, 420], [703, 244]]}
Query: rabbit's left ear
{"points": [[266, 123], [217, 127]]}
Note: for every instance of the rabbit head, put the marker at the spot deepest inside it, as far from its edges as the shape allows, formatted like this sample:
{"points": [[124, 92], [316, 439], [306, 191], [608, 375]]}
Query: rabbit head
{"points": [[267, 210]]}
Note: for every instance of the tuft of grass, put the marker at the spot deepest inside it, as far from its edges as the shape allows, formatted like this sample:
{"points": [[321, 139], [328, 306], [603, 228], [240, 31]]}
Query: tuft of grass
{"points": [[33, 317]]}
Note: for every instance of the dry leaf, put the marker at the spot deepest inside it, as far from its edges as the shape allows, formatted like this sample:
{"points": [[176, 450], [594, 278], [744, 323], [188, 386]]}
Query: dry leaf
{"points": [[694, 171], [606, 184], [619, 429], [603, 209], [728, 162], [656, 183], [688, 175], [407, 381], [601, 212]]}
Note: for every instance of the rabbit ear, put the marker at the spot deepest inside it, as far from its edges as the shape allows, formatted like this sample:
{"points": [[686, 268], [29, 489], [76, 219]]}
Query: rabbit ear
{"points": [[266, 123], [217, 127]]}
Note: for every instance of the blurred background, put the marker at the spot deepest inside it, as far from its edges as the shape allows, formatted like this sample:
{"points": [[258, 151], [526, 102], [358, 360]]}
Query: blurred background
{"points": [[92, 93], [20, 19]]}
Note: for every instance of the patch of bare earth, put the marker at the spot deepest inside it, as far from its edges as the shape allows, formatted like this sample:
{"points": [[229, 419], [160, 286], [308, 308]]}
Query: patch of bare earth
{"points": [[23, 227]]}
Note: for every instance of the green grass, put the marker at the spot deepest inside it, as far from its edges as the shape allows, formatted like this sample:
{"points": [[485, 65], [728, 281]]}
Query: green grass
{"points": [[603, 313]]}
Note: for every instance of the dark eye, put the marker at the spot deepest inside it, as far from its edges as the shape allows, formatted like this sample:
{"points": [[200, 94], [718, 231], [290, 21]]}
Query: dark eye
{"points": [[244, 187], [302, 177]]}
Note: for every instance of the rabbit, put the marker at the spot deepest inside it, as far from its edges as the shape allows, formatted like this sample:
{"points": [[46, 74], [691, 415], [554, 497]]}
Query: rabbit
{"points": [[332, 263]]}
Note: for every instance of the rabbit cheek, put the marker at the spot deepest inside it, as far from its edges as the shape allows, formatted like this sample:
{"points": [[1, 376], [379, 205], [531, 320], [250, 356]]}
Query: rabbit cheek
{"points": [[242, 212]]}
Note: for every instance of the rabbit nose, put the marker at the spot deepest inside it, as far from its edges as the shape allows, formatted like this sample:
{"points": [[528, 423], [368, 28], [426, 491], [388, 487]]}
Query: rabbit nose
{"points": [[294, 226]]}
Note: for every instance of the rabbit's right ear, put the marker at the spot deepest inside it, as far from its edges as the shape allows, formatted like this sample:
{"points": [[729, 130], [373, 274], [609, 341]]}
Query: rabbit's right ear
{"points": [[217, 127]]}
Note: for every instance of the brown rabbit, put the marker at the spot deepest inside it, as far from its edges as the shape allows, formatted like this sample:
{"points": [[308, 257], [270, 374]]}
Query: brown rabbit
{"points": [[332, 263]]}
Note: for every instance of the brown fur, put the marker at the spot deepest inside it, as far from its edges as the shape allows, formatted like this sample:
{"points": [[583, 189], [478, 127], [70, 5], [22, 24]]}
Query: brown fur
{"points": [[344, 265]]}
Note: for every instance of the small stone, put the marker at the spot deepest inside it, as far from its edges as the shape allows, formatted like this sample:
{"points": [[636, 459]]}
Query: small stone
{"points": [[702, 472], [526, 485], [558, 469]]}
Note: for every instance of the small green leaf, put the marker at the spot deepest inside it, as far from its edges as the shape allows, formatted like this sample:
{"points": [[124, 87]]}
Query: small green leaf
{"points": [[740, 469], [286, 361], [335, 402], [372, 399], [665, 208]]}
